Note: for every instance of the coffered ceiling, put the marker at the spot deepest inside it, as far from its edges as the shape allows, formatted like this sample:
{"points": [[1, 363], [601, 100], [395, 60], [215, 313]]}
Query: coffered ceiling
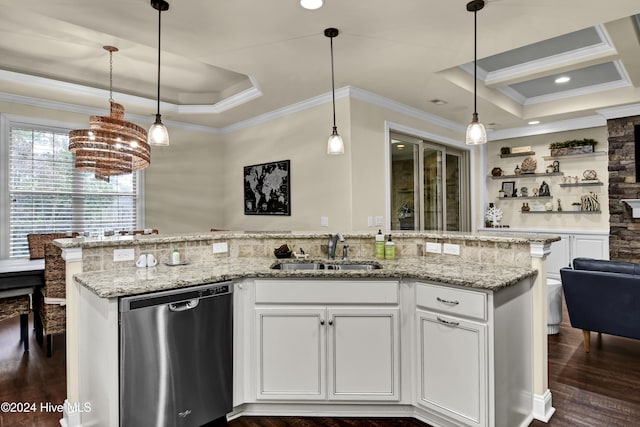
{"points": [[225, 63]]}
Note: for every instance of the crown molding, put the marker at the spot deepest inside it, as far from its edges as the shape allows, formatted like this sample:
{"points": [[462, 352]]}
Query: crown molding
{"points": [[583, 54], [381, 101], [215, 108], [91, 111], [545, 128], [618, 112]]}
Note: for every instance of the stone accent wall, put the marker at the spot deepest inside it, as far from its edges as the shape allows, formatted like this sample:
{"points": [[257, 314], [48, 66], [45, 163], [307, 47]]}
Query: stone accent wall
{"points": [[624, 234]]}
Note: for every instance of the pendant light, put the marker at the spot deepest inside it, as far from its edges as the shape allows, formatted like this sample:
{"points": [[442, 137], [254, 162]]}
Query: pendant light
{"points": [[111, 146], [158, 133], [476, 133], [335, 145]]}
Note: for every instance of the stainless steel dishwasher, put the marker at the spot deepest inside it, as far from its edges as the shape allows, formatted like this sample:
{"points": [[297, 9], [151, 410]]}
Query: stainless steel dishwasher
{"points": [[176, 356]]}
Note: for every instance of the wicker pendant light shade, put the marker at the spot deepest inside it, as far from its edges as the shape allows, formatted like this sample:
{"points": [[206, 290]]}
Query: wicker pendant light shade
{"points": [[111, 146]]}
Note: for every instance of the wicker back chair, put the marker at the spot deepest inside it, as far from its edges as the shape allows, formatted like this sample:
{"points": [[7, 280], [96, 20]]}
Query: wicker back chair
{"points": [[51, 315], [19, 305]]}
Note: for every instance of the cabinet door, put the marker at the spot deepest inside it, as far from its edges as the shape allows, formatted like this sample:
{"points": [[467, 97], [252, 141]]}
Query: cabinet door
{"points": [[453, 367], [291, 353], [363, 358], [590, 246], [559, 257]]}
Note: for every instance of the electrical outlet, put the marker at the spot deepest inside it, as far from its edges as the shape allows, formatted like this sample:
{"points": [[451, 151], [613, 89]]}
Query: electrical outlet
{"points": [[123, 255], [434, 248], [324, 221], [451, 249], [369, 221], [378, 221], [220, 247]]}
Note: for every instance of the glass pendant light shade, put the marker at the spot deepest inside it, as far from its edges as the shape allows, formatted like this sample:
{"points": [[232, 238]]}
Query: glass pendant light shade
{"points": [[476, 133], [158, 133], [335, 145], [311, 4]]}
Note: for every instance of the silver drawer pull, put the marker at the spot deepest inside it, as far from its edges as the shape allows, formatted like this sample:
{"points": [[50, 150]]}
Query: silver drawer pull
{"points": [[445, 301], [446, 322]]}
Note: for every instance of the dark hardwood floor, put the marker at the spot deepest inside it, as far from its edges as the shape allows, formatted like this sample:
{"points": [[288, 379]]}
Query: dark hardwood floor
{"points": [[598, 389]]}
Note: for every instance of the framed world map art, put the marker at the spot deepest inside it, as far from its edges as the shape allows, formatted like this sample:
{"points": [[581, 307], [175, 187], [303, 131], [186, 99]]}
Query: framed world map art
{"points": [[267, 189]]}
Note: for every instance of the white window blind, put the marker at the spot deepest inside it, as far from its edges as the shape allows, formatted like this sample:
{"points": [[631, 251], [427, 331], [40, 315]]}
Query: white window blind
{"points": [[47, 194]]}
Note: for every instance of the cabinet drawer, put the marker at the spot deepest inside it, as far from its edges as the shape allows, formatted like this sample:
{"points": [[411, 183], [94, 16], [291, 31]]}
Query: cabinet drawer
{"points": [[327, 291], [452, 301]]}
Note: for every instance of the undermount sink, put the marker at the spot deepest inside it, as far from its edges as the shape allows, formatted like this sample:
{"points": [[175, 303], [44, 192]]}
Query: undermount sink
{"points": [[325, 266]]}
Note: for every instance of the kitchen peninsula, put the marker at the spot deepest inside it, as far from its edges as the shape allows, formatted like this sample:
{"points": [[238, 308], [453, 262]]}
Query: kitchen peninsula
{"points": [[490, 296]]}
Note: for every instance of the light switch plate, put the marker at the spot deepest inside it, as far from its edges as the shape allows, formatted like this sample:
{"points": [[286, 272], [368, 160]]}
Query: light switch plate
{"points": [[369, 221], [434, 248], [324, 221], [378, 221], [120, 255], [451, 249], [220, 247]]}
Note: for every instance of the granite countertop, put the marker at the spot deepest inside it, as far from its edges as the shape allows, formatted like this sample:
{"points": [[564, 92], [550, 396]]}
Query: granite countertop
{"points": [[132, 281]]}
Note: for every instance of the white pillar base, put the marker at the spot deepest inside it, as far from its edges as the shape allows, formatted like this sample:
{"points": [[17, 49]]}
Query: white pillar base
{"points": [[70, 419], [542, 409]]}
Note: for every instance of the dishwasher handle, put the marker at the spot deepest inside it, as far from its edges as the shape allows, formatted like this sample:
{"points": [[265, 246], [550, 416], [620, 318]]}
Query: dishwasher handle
{"points": [[184, 305]]}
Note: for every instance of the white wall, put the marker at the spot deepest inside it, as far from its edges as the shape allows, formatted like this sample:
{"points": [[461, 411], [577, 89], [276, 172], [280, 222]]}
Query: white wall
{"points": [[184, 188], [320, 184]]}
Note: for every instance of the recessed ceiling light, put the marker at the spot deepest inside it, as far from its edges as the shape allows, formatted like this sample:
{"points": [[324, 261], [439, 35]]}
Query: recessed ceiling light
{"points": [[438, 101], [311, 4], [563, 79], [534, 122], [400, 146]]}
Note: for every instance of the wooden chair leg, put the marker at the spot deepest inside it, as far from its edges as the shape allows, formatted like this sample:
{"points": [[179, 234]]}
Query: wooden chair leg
{"points": [[24, 331], [586, 335], [49, 344]]}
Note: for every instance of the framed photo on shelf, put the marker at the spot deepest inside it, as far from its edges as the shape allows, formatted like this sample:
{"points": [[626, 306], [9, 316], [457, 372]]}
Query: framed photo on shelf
{"points": [[508, 187]]}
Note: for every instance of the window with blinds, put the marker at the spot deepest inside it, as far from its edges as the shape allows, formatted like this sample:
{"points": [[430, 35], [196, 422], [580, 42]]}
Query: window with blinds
{"points": [[47, 194]]}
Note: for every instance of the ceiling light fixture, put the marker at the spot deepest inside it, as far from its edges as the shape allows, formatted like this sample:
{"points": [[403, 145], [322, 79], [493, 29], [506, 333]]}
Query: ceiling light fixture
{"points": [[158, 133], [335, 145], [562, 79], [111, 146], [534, 122], [311, 4], [476, 133]]}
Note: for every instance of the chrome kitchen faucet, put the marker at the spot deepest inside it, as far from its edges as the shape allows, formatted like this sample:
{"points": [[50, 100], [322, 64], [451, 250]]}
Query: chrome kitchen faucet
{"points": [[333, 243]]}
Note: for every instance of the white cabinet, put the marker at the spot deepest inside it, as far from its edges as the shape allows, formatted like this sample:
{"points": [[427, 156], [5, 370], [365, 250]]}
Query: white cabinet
{"points": [[291, 353], [363, 352], [320, 352], [473, 354], [574, 246], [453, 369]]}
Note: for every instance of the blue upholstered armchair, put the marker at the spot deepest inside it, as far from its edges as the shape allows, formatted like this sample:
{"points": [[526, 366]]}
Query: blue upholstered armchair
{"points": [[603, 296]]}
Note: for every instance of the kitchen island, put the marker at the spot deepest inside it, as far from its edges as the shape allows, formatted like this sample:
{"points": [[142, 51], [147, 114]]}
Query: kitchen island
{"points": [[494, 291]]}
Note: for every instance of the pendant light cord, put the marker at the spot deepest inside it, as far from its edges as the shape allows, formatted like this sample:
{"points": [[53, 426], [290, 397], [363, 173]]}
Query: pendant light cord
{"points": [[159, 34], [333, 87], [110, 75], [475, 60]]}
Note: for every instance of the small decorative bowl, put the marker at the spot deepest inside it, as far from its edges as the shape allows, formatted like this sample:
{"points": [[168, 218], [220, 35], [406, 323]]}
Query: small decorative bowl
{"points": [[282, 254]]}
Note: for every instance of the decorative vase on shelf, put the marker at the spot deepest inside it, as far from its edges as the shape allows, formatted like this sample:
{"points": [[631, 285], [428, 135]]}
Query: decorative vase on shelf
{"points": [[517, 170]]}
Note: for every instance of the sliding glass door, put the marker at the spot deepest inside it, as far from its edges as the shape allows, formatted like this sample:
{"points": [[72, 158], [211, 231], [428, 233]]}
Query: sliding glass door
{"points": [[429, 185]]}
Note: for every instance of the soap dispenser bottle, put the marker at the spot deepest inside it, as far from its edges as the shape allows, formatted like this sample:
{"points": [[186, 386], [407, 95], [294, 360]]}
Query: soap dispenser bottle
{"points": [[389, 249], [380, 245], [175, 256]]}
